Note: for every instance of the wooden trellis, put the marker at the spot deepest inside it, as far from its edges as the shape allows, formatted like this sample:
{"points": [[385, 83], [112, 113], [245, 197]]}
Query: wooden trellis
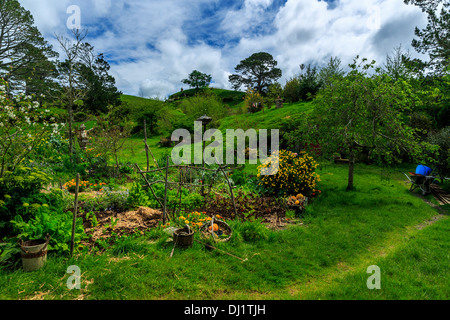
{"points": [[163, 202]]}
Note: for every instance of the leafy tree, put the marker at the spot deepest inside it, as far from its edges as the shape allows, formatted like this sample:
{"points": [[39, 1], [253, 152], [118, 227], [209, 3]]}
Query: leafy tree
{"points": [[22, 129], [84, 79], [257, 72], [331, 70], [364, 113], [197, 80], [309, 82], [111, 134], [290, 91], [101, 90], [201, 104], [395, 66], [70, 76], [25, 57], [274, 92], [303, 87], [434, 39], [38, 72], [441, 158]]}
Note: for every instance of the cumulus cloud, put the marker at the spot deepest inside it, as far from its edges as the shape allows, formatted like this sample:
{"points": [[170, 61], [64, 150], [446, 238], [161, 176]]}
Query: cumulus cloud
{"points": [[153, 45], [311, 32], [250, 18]]}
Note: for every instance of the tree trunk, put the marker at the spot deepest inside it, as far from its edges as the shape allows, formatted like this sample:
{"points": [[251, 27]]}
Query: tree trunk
{"points": [[351, 167], [70, 132]]}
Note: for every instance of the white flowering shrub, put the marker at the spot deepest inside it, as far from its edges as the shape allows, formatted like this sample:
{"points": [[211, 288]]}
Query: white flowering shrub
{"points": [[22, 128]]}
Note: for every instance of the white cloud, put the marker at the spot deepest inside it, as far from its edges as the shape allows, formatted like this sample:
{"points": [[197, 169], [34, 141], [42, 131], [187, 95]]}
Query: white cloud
{"points": [[150, 46], [308, 32], [251, 15]]}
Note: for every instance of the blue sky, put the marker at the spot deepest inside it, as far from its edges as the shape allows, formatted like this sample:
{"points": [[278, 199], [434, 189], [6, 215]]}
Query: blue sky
{"points": [[153, 45]]}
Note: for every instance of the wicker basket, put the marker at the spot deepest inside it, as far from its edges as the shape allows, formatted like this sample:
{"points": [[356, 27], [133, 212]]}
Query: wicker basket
{"points": [[222, 235]]}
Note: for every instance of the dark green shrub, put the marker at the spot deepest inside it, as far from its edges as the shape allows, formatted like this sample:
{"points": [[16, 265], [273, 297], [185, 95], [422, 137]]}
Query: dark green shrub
{"points": [[442, 156], [239, 178], [80, 117], [52, 221], [291, 90], [443, 116], [15, 190]]}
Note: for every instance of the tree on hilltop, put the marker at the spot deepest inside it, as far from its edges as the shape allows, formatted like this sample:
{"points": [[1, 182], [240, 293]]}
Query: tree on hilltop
{"points": [[197, 80], [257, 72]]}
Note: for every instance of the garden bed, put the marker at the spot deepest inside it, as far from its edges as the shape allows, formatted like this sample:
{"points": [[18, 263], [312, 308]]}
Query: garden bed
{"points": [[247, 206], [111, 223]]}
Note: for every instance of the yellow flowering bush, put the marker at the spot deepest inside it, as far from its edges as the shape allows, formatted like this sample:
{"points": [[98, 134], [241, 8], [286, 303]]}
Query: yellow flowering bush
{"points": [[253, 101], [296, 174]]}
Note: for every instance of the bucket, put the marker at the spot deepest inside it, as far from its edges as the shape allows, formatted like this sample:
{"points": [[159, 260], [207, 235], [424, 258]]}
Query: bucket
{"points": [[183, 239], [34, 253]]}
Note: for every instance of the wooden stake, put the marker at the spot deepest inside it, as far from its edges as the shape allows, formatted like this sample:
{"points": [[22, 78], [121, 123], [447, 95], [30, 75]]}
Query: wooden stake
{"points": [[75, 213], [165, 192], [146, 145]]}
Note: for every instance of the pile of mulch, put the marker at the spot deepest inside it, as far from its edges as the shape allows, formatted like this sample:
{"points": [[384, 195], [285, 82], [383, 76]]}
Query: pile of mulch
{"points": [[128, 223]]}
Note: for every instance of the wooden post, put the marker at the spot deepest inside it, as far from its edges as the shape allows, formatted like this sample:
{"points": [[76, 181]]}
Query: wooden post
{"points": [[146, 145], [180, 192], [203, 161], [231, 191], [165, 192], [75, 213]]}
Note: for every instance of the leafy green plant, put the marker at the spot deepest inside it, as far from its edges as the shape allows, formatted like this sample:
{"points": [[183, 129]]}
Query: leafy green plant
{"points": [[138, 196], [7, 253], [90, 216], [56, 223], [16, 189]]}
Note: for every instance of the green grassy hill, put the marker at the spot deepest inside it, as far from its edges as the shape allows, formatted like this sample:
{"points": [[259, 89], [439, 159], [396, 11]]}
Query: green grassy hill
{"points": [[134, 101], [228, 97], [268, 119]]}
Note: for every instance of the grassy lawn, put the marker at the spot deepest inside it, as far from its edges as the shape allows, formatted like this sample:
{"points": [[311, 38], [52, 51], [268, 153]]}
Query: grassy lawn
{"points": [[269, 119], [133, 151], [343, 233]]}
